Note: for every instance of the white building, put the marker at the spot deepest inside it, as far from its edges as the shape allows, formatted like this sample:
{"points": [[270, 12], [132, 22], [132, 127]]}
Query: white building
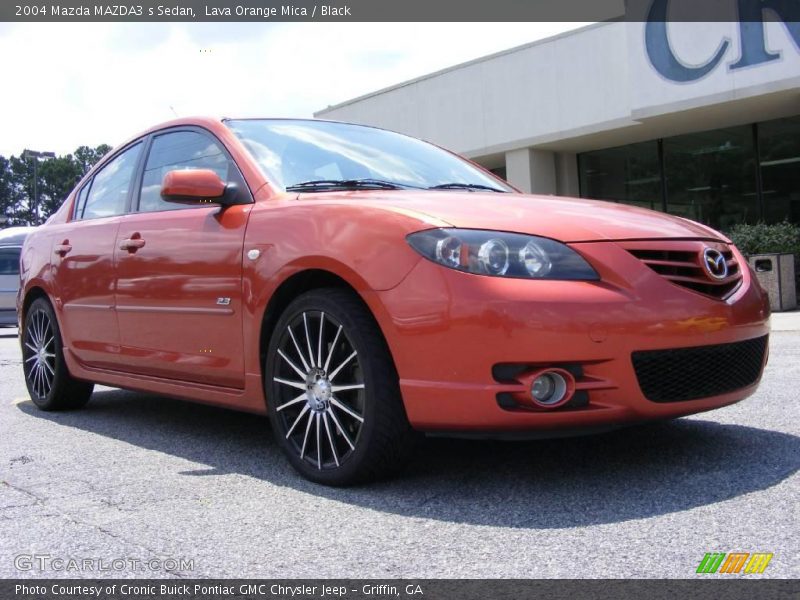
{"points": [[698, 119]]}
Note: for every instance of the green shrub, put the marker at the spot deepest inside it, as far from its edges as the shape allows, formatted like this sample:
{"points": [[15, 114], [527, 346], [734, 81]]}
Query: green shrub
{"points": [[766, 239]]}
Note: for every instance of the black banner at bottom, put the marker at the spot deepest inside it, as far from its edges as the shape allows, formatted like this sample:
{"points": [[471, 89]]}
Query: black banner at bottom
{"points": [[407, 589]]}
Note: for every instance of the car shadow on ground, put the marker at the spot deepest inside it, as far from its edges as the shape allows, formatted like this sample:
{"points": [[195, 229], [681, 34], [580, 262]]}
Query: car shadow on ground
{"points": [[632, 473]]}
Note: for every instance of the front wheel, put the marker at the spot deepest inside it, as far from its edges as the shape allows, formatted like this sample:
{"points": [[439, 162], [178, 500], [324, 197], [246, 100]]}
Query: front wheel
{"points": [[50, 385], [333, 393]]}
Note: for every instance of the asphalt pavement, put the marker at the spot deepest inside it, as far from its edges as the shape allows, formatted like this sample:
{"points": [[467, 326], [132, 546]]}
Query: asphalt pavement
{"points": [[172, 489]]}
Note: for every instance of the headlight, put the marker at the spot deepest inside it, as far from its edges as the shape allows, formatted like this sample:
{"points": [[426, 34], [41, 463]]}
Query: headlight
{"points": [[501, 254]]}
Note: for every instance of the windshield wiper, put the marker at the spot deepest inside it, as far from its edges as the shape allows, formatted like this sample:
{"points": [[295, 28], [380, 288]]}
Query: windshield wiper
{"points": [[466, 186], [356, 184]]}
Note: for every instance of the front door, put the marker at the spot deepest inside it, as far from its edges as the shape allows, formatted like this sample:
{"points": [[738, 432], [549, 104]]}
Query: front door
{"points": [[179, 272]]}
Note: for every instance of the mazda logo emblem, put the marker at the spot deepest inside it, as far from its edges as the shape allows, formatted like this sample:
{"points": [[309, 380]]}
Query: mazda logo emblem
{"points": [[715, 264]]}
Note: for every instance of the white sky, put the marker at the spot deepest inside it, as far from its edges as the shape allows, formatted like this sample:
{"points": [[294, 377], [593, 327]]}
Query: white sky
{"points": [[67, 85]]}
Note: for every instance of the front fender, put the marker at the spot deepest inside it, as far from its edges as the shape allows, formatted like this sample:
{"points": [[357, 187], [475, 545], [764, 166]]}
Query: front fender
{"points": [[365, 247], [363, 243]]}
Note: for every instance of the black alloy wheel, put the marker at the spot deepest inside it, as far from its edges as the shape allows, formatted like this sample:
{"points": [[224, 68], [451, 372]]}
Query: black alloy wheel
{"points": [[333, 393]]}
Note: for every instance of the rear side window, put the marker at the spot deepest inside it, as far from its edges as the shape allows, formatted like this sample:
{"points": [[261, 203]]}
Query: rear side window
{"points": [[177, 151], [9, 261], [81, 203], [108, 192]]}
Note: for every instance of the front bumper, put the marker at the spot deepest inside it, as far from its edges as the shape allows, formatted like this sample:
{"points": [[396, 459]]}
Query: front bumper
{"points": [[448, 331]]}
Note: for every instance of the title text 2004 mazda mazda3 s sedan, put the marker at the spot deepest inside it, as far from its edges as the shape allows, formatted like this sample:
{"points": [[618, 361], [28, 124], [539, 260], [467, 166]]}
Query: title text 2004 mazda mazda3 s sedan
{"points": [[362, 286]]}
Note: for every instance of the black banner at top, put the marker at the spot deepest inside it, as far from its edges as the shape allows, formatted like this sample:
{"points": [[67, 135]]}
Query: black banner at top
{"points": [[399, 10]]}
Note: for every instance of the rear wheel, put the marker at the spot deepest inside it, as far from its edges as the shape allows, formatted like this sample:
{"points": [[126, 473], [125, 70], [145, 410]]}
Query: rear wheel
{"points": [[49, 383], [333, 393]]}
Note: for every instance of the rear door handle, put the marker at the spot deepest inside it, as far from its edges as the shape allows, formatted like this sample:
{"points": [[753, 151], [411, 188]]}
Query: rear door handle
{"points": [[63, 248], [132, 244]]}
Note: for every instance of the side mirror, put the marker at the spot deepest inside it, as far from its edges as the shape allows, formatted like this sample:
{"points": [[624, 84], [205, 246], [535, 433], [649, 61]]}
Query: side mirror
{"points": [[195, 186]]}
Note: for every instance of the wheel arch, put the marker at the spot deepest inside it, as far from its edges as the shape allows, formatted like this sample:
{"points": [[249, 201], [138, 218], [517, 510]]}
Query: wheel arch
{"points": [[33, 293], [298, 283]]}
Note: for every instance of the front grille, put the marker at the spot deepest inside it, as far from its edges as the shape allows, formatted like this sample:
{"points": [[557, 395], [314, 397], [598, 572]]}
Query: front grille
{"points": [[691, 373], [681, 263]]}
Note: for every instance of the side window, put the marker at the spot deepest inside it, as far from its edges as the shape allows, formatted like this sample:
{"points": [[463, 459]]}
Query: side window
{"points": [[109, 189], [177, 151], [80, 203], [9, 261]]}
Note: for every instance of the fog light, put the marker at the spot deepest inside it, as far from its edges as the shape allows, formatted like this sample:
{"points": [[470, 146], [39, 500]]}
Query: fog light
{"points": [[549, 388]]}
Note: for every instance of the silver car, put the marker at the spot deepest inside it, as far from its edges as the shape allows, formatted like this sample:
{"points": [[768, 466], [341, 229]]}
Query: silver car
{"points": [[11, 240]]}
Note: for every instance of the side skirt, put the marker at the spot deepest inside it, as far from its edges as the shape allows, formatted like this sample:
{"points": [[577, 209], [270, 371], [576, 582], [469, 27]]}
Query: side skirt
{"points": [[250, 399]]}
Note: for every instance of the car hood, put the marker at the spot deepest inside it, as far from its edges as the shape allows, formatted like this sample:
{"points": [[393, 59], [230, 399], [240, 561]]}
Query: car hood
{"points": [[561, 218]]}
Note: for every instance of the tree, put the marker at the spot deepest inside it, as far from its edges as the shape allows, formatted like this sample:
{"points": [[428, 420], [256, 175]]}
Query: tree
{"points": [[6, 192], [55, 178], [20, 173], [86, 157]]}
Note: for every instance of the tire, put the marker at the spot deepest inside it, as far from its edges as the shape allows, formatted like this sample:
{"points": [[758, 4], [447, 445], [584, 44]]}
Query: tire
{"points": [[50, 385], [334, 399]]}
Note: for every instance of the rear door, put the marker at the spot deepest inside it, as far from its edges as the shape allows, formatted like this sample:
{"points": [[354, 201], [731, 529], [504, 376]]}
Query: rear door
{"points": [[179, 287], [83, 261]]}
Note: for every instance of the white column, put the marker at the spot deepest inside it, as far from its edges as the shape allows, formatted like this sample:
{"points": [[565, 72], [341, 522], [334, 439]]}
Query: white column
{"points": [[567, 174], [532, 171]]}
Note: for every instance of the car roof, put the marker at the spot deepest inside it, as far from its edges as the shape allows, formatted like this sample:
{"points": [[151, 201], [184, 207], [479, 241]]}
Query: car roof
{"points": [[212, 121], [14, 236]]}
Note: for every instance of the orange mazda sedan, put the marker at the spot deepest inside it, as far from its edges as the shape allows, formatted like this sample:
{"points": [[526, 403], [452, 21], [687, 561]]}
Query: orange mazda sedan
{"points": [[361, 287]]}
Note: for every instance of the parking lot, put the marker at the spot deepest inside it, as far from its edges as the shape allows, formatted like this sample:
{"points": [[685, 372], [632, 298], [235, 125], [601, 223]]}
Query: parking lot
{"points": [[143, 478]]}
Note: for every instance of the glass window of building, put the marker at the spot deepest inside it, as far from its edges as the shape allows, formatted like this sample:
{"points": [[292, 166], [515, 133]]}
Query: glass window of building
{"points": [[779, 149], [711, 177], [628, 174], [500, 172]]}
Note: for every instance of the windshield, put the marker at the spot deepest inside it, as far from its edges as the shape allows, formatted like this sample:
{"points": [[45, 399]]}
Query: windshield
{"points": [[293, 152]]}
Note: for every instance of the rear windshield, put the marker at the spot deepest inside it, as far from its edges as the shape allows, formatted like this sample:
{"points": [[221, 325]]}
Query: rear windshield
{"points": [[9, 261]]}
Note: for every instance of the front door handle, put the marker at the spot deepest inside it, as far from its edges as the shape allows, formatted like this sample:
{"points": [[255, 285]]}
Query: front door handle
{"points": [[133, 243], [63, 248]]}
